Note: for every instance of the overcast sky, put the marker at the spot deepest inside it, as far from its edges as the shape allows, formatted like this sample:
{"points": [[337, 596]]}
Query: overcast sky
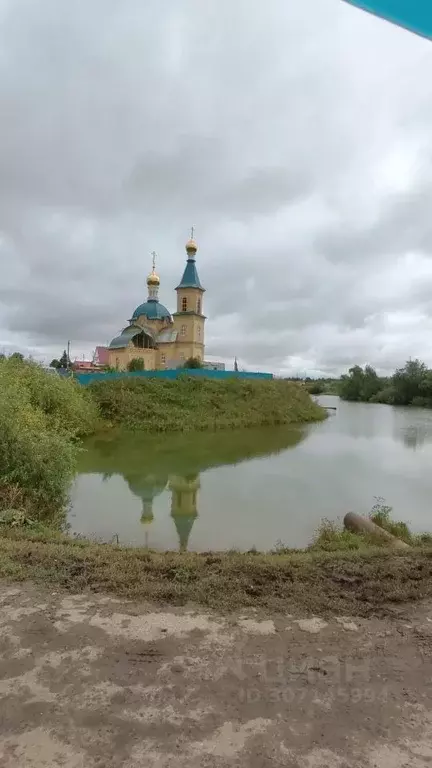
{"points": [[295, 137]]}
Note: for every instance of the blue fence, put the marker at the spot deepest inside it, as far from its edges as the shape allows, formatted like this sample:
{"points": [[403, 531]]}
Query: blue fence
{"points": [[171, 373]]}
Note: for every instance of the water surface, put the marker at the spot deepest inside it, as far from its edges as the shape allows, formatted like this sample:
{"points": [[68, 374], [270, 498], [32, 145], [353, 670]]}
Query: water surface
{"points": [[255, 488]]}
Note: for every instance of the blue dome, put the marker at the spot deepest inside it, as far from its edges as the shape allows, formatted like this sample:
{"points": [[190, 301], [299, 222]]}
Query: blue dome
{"points": [[153, 310]]}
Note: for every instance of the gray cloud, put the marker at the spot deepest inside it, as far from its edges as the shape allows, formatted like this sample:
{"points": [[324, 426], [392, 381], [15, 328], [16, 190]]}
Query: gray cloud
{"points": [[297, 141]]}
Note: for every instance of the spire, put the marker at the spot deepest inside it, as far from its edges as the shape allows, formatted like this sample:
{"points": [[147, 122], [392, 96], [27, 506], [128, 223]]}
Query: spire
{"points": [[153, 281], [184, 506], [190, 277]]}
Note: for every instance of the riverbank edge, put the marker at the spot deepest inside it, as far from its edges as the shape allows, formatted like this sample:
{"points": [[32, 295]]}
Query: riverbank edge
{"points": [[368, 582]]}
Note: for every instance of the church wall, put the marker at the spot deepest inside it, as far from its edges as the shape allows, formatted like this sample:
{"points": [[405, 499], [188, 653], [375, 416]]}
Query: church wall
{"points": [[190, 327], [165, 355], [192, 296], [119, 358]]}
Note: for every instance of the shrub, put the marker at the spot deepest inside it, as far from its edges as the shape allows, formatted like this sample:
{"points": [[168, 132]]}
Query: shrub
{"points": [[41, 418], [136, 364]]}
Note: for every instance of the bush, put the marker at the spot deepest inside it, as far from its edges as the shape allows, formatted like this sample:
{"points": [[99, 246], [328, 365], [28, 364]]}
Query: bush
{"points": [[315, 387], [193, 362], [136, 364], [41, 418]]}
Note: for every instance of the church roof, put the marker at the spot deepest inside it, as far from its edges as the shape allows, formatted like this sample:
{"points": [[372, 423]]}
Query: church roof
{"points": [[123, 340], [184, 524], [152, 309], [167, 335], [190, 277]]}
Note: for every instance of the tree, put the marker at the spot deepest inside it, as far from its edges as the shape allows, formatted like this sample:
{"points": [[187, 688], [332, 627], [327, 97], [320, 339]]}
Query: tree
{"points": [[371, 384], [55, 363], [64, 360], [360, 384], [193, 362], [235, 365], [17, 356], [351, 383], [136, 364], [409, 381]]}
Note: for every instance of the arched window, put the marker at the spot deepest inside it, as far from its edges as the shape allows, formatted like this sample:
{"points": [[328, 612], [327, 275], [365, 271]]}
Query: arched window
{"points": [[183, 330], [184, 304], [199, 306], [199, 332]]}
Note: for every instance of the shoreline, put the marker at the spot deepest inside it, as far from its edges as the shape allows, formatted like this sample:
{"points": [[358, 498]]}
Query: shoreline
{"points": [[368, 581]]}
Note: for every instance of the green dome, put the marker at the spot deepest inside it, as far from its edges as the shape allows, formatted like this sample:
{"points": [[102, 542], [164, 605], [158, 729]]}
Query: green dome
{"points": [[152, 309]]}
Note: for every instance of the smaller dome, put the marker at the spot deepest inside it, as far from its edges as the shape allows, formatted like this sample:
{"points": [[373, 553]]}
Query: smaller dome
{"points": [[191, 246], [153, 278], [153, 310]]}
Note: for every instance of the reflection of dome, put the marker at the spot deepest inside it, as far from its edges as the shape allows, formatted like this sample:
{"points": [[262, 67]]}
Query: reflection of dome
{"points": [[152, 309], [146, 488], [153, 278]]}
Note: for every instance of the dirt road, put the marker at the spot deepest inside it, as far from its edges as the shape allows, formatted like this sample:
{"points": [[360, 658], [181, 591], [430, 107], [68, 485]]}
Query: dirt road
{"points": [[88, 681]]}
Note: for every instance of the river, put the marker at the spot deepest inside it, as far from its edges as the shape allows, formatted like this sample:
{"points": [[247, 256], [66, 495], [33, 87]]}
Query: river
{"points": [[255, 488]]}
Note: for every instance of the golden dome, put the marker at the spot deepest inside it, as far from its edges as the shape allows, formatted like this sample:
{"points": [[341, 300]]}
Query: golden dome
{"points": [[153, 278], [191, 246]]}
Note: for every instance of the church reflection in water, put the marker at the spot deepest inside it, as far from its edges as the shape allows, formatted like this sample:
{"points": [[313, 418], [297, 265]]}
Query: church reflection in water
{"points": [[184, 493], [152, 465]]}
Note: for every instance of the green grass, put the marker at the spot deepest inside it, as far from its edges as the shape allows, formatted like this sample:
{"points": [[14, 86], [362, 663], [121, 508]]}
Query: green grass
{"points": [[367, 582], [186, 404], [332, 536]]}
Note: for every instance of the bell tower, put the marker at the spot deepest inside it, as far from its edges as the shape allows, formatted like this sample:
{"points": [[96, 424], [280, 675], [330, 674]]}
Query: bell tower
{"points": [[189, 319]]}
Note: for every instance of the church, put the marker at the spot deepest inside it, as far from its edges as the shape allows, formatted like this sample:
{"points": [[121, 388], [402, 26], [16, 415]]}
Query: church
{"points": [[157, 337]]}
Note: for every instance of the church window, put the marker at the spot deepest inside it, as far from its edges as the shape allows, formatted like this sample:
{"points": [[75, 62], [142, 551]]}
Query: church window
{"points": [[199, 306], [182, 357], [183, 330], [184, 304], [199, 332], [163, 358]]}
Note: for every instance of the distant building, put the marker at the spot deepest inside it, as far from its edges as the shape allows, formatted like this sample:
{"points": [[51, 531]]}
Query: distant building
{"points": [[214, 366], [101, 356], [84, 366]]}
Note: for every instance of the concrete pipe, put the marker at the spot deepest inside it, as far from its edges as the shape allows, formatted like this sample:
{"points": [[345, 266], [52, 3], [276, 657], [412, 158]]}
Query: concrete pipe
{"points": [[359, 524]]}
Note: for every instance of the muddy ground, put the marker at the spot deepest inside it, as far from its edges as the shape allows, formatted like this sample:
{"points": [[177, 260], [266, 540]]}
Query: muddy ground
{"points": [[90, 681]]}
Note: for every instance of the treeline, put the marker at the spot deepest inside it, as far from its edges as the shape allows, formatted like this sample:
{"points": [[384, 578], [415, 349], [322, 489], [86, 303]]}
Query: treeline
{"points": [[410, 385]]}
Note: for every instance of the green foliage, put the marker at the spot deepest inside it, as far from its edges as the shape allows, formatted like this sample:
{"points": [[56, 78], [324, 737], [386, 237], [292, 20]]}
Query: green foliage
{"points": [[55, 363], [192, 403], [410, 385], [315, 387], [332, 536], [360, 384], [41, 418], [136, 364], [64, 360], [193, 362], [381, 515]]}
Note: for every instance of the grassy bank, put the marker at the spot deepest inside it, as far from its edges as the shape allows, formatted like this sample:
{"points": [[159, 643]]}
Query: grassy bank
{"points": [[42, 419], [361, 583], [340, 573], [161, 405]]}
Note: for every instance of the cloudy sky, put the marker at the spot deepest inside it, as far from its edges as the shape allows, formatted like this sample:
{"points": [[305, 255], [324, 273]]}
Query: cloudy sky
{"points": [[295, 137]]}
